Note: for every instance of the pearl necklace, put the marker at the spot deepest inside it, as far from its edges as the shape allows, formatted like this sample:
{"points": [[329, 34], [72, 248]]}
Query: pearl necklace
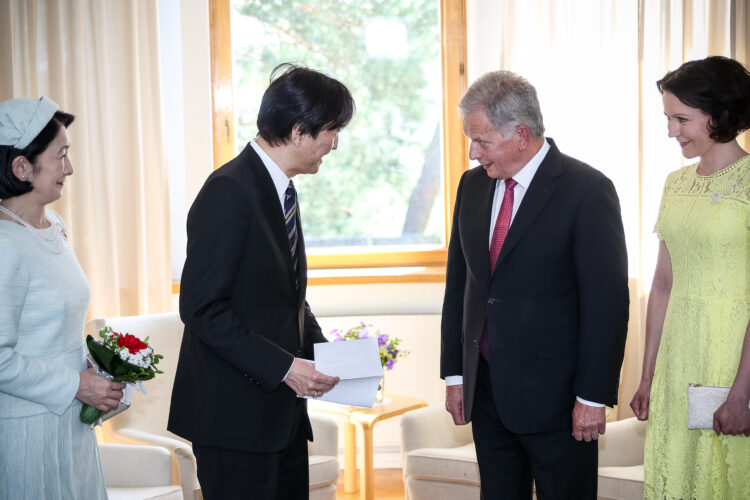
{"points": [[718, 196], [53, 244]]}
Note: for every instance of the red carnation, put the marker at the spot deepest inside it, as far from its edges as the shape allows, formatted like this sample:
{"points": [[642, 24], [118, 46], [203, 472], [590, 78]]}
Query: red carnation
{"points": [[133, 343]]}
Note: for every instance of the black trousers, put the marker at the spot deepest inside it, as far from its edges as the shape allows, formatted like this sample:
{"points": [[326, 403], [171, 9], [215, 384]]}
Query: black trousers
{"points": [[510, 464], [229, 474]]}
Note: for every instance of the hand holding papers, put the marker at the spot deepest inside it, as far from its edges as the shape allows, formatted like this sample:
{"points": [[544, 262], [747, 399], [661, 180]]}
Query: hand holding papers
{"points": [[357, 363]]}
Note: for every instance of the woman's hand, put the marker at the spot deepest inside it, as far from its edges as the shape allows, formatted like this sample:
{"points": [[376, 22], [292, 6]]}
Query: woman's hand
{"points": [[98, 392], [641, 400], [733, 417]]}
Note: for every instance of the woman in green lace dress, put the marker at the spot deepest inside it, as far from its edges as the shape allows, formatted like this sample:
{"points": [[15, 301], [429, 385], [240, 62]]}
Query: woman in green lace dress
{"points": [[699, 307]]}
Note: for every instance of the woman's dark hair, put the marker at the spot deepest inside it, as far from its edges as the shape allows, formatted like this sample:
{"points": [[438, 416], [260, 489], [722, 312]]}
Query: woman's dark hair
{"points": [[718, 86], [10, 185], [299, 96]]}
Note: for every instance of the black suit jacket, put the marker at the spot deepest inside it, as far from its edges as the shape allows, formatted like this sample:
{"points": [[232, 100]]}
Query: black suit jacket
{"points": [[243, 315], [557, 304]]}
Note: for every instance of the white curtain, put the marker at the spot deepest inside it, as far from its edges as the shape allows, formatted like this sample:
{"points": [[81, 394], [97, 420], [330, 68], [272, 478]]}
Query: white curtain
{"points": [[595, 64], [98, 59]]}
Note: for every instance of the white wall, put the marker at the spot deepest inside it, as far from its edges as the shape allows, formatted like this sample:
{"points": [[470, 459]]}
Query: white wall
{"points": [[186, 89]]}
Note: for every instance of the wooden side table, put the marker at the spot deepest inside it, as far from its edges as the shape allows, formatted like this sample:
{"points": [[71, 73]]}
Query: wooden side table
{"points": [[365, 419]]}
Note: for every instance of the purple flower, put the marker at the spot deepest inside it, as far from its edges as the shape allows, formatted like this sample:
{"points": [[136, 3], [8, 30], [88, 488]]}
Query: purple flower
{"points": [[337, 337], [364, 334], [382, 339], [362, 324], [390, 363]]}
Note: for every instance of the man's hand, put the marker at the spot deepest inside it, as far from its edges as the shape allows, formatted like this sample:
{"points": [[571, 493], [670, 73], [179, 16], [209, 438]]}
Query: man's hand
{"points": [[305, 380], [588, 422], [733, 417], [97, 391], [454, 403]]}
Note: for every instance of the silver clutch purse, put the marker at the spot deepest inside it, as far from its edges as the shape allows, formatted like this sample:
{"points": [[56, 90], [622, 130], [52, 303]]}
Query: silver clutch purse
{"points": [[703, 401]]}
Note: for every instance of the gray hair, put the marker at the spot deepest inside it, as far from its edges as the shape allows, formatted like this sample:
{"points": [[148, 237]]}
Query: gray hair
{"points": [[509, 101]]}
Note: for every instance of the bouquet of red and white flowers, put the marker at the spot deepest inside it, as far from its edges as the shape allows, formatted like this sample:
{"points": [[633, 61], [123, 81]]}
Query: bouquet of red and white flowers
{"points": [[120, 358]]}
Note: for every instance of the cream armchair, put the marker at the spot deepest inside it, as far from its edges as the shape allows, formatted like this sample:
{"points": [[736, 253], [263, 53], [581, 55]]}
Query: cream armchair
{"points": [[621, 460], [440, 462], [323, 457], [438, 457], [146, 420], [133, 472]]}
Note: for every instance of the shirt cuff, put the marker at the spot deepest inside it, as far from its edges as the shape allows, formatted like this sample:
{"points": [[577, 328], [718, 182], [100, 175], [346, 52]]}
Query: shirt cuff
{"points": [[589, 403], [290, 369], [454, 380]]}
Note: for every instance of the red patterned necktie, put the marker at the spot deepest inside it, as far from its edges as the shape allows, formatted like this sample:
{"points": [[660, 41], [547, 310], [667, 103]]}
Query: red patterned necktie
{"points": [[502, 224]]}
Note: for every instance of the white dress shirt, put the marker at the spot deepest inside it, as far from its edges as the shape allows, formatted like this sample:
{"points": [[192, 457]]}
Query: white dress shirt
{"points": [[279, 178]]}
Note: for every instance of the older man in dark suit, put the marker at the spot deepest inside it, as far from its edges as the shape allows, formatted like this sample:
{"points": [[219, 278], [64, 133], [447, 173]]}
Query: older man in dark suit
{"points": [[248, 328], [536, 302]]}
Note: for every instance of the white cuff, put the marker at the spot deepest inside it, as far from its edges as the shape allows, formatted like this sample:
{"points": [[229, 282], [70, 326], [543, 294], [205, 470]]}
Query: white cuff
{"points": [[589, 403], [287, 372], [454, 380]]}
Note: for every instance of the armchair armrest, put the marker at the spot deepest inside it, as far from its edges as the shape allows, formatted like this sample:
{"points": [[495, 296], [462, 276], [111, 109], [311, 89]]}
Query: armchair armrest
{"points": [[622, 443], [183, 453], [325, 435], [135, 466], [432, 427]]}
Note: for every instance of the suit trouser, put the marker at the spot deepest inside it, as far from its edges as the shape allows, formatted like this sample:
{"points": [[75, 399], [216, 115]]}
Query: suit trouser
{"points": [[509, 463], [229, 474]]}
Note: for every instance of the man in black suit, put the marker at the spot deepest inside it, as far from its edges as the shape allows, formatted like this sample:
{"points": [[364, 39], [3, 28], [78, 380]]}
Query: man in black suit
{"points": [[536, 301], [248, 328]]}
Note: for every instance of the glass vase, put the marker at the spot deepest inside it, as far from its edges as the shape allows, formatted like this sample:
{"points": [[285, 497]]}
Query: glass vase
{"points": [[381, 392]]}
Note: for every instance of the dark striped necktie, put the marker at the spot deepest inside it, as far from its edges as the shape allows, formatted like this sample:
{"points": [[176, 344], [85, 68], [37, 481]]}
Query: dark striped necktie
{"points": [[290, 215]]}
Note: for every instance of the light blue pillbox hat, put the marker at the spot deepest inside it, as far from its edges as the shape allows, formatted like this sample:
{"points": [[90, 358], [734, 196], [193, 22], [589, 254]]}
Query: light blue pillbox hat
{"points": [[21, 120]]}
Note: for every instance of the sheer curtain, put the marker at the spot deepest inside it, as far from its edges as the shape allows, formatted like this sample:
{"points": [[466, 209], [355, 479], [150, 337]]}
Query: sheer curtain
{"points": [[98, 59], [595, 65]]}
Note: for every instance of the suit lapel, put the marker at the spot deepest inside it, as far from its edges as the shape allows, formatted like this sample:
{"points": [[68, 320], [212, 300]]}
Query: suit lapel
{"points": [[478, 202], [542, 187], [271, 207]]}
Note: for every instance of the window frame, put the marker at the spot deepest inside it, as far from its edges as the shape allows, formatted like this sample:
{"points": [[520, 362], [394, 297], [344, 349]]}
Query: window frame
{"points": [[454, 145]]}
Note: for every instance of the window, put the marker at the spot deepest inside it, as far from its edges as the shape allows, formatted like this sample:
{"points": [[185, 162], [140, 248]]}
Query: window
{"points": [[384, 198]]}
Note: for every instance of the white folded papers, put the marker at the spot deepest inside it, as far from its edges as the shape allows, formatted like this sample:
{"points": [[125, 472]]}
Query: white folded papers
{"points": [[357, 364]]}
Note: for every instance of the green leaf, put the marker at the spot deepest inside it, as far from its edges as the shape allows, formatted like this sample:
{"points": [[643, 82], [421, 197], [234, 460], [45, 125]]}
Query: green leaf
{"points": [[89, 414]]}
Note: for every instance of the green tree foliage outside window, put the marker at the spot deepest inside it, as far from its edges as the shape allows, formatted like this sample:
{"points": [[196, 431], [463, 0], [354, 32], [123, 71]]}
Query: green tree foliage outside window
{"points": [[382, 187]]}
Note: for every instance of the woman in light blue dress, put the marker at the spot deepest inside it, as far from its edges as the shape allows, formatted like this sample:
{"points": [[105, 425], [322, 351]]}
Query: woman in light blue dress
{"points": [[46, 452]]}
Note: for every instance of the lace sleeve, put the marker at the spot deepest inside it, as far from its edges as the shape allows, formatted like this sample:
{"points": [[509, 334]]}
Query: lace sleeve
{"points": [[658, 225]]}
